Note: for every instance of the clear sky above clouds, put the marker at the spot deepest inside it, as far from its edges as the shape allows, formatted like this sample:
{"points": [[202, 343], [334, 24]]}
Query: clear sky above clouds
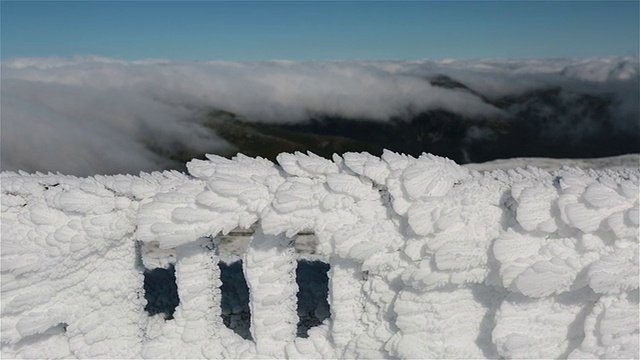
{"points": [[319, 30]]}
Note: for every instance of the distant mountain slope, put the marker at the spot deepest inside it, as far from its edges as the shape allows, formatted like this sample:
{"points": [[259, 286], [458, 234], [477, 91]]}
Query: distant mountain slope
{"points": [[548, 122], [90, 115]]}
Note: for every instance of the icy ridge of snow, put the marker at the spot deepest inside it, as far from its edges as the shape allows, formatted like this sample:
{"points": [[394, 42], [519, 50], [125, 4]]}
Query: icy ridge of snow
{"points": [[428, 259]]}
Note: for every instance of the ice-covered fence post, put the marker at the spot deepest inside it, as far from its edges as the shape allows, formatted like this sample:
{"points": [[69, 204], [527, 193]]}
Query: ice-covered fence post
{"points": [[346, 303], [198, 316], [269, 266], [198, 280]]}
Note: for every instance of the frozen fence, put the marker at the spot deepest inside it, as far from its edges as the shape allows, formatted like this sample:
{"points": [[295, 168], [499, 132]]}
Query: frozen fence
{"points": [[427, 259]]}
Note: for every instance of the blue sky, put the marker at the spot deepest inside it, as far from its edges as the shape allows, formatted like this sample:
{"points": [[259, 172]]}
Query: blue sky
{"points": [[319, 30]]}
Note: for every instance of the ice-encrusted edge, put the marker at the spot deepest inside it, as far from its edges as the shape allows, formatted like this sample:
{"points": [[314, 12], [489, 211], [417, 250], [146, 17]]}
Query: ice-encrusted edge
{"points": [[515, 263]]}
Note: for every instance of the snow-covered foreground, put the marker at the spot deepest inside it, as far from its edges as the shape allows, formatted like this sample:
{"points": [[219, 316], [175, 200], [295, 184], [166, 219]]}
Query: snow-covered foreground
{"points": [[427, 259]]}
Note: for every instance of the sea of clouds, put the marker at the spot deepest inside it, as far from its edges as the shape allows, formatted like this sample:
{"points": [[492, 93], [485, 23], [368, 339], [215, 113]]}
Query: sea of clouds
{"points": [[91, 115]]}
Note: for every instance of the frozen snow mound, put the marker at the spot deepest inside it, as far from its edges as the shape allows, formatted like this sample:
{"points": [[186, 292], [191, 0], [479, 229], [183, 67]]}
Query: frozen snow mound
{"points": [[427, 259]]}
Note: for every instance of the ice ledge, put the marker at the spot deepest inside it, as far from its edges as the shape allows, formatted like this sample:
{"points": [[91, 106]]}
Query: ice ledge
{"points": [[510, 263]]}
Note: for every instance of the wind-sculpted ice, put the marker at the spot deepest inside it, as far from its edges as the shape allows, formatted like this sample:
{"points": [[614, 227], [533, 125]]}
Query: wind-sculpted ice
{"points": [[427, 259]]}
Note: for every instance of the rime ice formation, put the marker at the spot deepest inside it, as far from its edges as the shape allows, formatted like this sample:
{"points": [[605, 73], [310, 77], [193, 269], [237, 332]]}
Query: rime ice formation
{"points": [[427, 259]]}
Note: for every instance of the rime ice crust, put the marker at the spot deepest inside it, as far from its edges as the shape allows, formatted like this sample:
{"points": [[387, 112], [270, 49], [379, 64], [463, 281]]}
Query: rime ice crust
{"points": [[70, 287], [428, 259]]}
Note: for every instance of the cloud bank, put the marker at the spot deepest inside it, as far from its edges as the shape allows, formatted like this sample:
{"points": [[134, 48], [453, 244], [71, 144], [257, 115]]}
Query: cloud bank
{"points": [[90, 115]]}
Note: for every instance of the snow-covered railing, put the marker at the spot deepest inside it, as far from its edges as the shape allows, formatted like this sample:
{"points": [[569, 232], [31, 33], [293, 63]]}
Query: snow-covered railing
{"points": [[427, 259]]}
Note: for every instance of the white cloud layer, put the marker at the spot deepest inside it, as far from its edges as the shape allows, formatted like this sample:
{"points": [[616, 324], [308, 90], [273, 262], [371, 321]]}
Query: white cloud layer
{"points": [[89, 115]]}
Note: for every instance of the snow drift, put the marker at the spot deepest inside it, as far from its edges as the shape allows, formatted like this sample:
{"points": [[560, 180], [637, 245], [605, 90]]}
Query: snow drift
{"points": [[427, 259]]}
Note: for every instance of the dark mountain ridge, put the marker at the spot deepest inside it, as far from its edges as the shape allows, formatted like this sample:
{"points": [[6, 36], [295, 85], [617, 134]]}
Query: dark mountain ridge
{"points": [[546, 122]]}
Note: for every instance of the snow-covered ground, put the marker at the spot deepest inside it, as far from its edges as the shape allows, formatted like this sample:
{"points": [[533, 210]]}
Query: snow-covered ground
{"points": [[427, 259], [612, 163]]}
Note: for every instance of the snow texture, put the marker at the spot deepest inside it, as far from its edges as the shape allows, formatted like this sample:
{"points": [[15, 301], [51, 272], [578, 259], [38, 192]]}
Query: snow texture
{"points": [[427, 259]]}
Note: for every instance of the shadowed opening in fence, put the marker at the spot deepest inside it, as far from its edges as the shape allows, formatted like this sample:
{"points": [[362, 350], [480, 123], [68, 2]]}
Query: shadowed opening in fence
{"points": [[161, 291], [313, 290], [236, 314]]}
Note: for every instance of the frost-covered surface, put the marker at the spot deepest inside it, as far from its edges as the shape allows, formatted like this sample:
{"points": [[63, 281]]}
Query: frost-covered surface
{"points": [[428, 259], [549, 164]]}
